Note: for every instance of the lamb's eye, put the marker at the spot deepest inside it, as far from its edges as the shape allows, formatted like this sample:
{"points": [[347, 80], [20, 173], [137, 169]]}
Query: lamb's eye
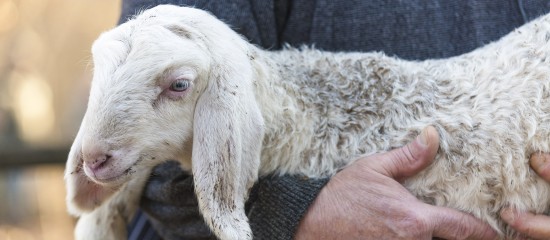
{"points": [[180, 85]]}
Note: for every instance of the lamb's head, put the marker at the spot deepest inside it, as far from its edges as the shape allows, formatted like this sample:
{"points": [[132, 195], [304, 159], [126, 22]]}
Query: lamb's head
{"points": [[173, 83]]}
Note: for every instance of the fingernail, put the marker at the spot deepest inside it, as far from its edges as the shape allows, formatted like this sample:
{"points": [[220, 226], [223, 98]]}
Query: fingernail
{"points": [[423, 138], [507, 215], [537, 160]]}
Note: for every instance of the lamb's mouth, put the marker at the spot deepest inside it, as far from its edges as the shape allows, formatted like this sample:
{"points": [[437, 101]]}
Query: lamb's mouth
{"points": [[124, 174], [111, 177]]}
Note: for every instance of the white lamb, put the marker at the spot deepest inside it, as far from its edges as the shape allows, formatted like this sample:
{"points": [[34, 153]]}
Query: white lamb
{"points": [[177, 83]]}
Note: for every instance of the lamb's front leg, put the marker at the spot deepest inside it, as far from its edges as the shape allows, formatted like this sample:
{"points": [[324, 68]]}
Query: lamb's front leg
{"points": [[109, 221], [102, 223]]}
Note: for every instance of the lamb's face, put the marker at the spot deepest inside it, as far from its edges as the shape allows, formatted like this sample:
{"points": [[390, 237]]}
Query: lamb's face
{"points": [[148, 76], [173, 83], [141, 103]]}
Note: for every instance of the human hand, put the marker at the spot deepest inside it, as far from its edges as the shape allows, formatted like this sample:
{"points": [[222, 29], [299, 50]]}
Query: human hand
{"points": [[526, 223], [366, 201]]}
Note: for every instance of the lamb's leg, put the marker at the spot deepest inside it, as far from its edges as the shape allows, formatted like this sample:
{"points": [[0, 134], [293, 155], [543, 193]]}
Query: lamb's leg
{"points": [[109, 221], [101, 224]]}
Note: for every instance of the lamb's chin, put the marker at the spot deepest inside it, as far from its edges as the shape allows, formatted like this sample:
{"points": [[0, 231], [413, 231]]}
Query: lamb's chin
{"points": [[112, 178], [114, 182]]}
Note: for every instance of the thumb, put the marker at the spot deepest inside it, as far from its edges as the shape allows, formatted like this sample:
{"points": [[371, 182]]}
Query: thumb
{"points": [[407, 161]]}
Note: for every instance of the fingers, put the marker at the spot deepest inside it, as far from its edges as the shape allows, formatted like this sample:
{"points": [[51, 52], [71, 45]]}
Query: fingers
{"points": [[452, 224], [534, 226], [540, 162], [407, 161]]}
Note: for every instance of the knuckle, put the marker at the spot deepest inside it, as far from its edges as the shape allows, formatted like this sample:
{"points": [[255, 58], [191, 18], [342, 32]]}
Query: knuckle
{"points": [[464, 229], [409, 153], [404, 156], [405, 161], [521, 227], [415, 225], [519, 223]]}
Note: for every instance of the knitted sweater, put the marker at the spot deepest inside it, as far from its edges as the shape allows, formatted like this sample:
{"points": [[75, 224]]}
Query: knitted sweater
{"points": [[415, 29]]}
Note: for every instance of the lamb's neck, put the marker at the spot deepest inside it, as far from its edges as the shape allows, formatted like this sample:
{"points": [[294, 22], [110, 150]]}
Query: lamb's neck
{"points": [[286, 118]]}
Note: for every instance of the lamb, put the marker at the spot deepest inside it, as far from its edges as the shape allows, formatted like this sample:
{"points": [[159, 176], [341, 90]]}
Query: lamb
{"points": [[177, 83]]}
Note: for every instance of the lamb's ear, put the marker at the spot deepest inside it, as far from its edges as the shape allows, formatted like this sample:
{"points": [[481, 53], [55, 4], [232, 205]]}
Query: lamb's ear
{"points": [[227, 139], [83, 195]]}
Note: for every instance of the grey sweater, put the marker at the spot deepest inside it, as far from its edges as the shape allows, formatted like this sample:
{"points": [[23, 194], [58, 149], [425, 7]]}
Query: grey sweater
{"points": [[415, 29]]}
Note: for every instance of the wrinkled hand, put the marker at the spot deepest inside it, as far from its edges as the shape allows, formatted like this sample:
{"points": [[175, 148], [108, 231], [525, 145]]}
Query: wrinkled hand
{"points": [[366, 201], [529, 224]]}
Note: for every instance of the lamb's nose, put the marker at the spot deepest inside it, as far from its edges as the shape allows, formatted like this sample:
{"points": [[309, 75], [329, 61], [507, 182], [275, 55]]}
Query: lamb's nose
{"points": [[95, 156], [98, 161]]}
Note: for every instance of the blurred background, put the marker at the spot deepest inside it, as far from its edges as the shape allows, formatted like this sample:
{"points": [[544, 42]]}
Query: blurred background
{"points": [[45, 71]]}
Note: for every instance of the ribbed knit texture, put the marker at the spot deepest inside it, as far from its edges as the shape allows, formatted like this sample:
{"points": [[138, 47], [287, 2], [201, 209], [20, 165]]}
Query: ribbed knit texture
{"points": [[277, 204]]}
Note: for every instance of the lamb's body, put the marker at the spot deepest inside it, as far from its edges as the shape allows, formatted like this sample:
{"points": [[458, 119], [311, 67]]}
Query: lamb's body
{"points": [[490, 107], [316, 112]]}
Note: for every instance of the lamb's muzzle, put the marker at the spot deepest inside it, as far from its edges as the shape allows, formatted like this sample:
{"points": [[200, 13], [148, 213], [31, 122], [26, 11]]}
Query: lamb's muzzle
{"points": [[176, 83]]}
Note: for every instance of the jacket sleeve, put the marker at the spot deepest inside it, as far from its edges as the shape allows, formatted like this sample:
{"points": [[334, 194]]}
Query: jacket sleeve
{"points": [[278, 203], [274, 208]]}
